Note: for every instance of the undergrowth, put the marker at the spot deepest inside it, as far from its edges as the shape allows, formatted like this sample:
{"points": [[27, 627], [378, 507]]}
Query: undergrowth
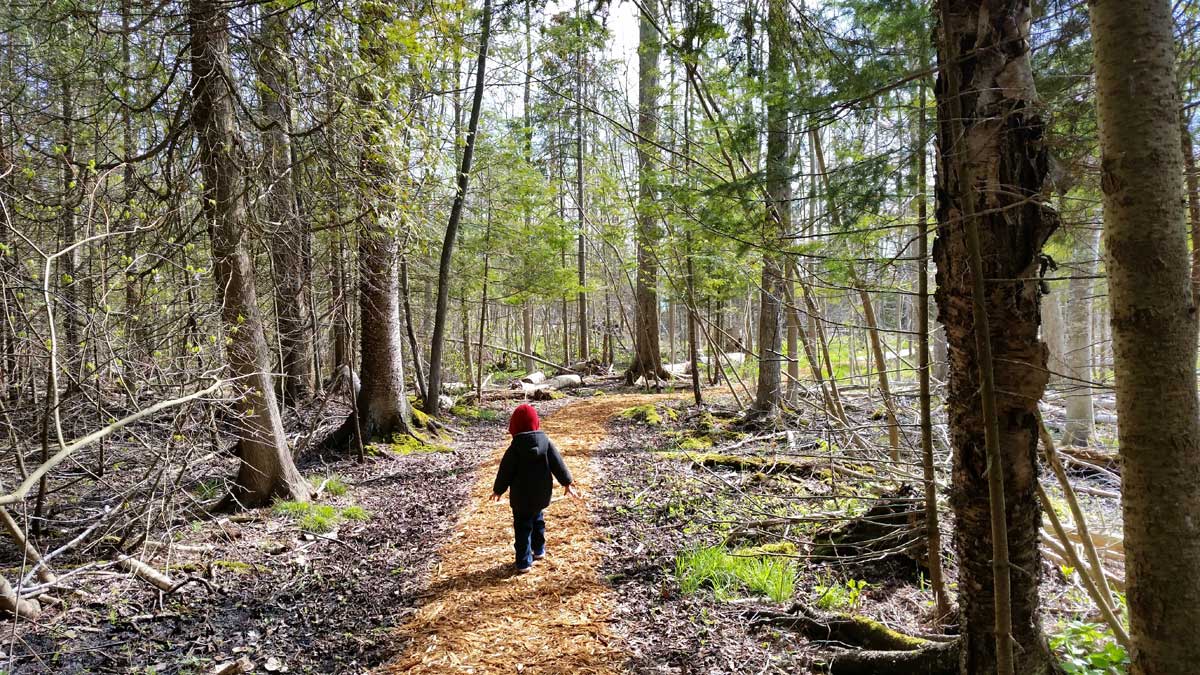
{"points": [[319, 518], [729, 575]]}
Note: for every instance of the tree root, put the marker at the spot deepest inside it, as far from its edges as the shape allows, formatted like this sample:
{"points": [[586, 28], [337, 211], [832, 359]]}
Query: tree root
{"points": [[883, 651]]}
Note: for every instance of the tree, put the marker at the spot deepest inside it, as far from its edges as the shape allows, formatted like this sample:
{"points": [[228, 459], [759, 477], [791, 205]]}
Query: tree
{"points": [[380, 407], [992, 224], [776, 220], [431, 406], [647, 357], [289, 238], [1154, 328], [266, 470]]}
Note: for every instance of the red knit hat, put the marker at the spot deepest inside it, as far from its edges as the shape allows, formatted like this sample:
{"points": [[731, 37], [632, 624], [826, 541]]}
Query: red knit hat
{"points": [[523, 419]]}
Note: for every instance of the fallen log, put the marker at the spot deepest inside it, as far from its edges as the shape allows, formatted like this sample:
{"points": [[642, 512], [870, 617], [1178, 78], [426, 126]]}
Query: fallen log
{"points": [[147, 573], [570, 381], [16, 606], [536, 377]]}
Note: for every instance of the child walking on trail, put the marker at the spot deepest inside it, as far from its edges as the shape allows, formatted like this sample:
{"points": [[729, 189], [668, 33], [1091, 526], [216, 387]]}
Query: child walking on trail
{"points": [[528, 469]]}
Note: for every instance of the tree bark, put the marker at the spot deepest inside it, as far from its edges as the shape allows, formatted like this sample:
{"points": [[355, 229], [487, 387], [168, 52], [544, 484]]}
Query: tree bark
{"points": [[992, 164], [1078, 320], [776, 220], [460, 194], [266, 469], [289, 236], [1153, 327], [381, 406], [647, 357]]}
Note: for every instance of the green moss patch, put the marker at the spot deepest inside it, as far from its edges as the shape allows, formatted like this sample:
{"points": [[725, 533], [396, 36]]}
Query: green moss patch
{"points": [[649, 414]]}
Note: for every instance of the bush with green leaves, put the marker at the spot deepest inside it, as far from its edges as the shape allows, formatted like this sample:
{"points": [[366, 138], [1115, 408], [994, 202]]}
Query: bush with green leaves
{"points": [[832, 594], [1085, 648]]}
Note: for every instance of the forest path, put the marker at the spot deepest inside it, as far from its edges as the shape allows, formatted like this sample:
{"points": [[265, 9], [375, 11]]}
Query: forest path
{"points": [[480, 617]]}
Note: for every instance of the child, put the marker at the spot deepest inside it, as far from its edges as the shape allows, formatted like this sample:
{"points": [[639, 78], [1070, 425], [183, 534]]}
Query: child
{"points": [[528, 467]]}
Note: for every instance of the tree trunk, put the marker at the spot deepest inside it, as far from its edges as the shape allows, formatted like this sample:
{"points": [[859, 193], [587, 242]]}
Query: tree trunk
{"points": [[991, 167], [1054, 333], [933, 535], [289, 236], [266, 469], [1193, 199], [1153, 326], [413, 345], [1078, 320], [460, 195], [381, 407], [647, 357], [777, 220]]}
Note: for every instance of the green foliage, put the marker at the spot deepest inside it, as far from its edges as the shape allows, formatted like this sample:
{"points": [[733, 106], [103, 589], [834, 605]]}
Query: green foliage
{"points": [[727, 575], [1088, 649], [832, 594], [318, 518], [335, 485]]}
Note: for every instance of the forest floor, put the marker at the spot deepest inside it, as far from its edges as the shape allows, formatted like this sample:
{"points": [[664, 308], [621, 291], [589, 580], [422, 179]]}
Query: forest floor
{"points": [[663, 569]]}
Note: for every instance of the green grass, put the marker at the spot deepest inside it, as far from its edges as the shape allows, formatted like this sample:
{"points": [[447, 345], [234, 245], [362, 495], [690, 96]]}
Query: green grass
{"points": [[318, 518], [729, 575], [334, 484]]}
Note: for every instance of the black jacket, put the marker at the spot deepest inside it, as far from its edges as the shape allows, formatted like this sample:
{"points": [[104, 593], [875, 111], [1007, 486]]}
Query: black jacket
{"points": [[528, 467]]}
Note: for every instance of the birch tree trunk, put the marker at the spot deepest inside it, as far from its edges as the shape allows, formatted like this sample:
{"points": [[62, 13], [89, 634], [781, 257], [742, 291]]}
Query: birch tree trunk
{"points": [[1078, 320], [1153, 327]]}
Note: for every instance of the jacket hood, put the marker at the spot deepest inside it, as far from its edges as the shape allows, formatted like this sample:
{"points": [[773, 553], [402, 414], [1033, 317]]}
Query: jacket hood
{"points": [[523, 419]]}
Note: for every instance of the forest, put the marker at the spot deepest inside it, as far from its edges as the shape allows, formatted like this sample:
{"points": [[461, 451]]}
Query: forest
{"points": [[865, 332]]}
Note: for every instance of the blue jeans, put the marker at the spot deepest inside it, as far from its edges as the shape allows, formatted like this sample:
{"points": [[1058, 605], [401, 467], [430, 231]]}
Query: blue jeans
{"points": [[530, 530]]}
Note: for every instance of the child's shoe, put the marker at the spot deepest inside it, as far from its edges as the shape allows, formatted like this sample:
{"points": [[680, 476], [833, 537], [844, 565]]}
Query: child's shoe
{"points": [[539, 556], [523, 570]]}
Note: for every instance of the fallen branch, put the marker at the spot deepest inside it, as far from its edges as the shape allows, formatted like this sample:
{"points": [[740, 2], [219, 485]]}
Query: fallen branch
{"points": [[36, 475]]}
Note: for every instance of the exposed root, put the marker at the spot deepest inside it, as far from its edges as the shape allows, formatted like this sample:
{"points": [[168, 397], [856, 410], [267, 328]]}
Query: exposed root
{"points": [[883, 651]]}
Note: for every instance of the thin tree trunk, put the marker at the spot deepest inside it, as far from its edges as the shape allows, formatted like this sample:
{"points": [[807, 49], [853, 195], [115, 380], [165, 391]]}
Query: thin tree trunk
{"points": [[460, 194], [1154, 328], [933, 535], [1078, 320], [266, 470], [413, 345]]}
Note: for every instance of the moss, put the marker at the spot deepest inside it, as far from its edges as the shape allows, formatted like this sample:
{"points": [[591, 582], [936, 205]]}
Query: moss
{"points": [[420, 419], [695, 443], [649, 414], [880, 634], [236, 566], [771, 548], [465, 411], [404, 444]]}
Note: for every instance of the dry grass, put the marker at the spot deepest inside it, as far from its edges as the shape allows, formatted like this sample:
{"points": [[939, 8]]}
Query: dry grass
{"points": [[479, 617]]}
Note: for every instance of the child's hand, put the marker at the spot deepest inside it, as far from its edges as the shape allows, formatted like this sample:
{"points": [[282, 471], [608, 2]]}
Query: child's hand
{"points": [[574, 493], [495, 497]]}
